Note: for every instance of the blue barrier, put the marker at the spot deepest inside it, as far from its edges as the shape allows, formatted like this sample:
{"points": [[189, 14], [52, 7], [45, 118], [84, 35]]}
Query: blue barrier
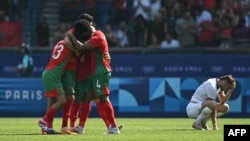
{"points": [[131, 97], [145, 85]]}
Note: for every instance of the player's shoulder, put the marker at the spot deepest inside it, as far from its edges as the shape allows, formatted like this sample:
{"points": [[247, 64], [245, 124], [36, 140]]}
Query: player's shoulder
{"points": [[99, 32], [211, 82], [61, 42], [60, 45]]}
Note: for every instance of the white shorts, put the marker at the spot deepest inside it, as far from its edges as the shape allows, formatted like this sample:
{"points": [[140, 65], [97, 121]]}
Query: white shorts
{"points": [[193, 109]]}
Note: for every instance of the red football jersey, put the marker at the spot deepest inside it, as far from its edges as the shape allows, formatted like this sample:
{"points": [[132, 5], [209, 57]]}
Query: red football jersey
{"points": [[60, 58], [83, 70], [83, 63], [98, 63]]}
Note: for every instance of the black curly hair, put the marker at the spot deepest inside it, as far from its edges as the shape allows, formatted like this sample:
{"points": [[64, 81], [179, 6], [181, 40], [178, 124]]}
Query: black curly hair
{"points": [[82, 30], [86, 16]]}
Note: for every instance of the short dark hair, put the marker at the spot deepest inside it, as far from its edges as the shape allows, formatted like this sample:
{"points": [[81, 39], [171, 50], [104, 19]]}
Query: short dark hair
{"points": [[86, 16], [82, 30], [82, 26]]}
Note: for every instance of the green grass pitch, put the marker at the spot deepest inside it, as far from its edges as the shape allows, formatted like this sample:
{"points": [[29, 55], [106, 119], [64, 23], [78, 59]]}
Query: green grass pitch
{"points": [[135, 129]]}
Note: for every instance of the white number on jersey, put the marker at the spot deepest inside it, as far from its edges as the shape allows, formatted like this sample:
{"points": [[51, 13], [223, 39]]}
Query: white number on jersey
{"points": [[57, 51], [82, 58], [97, 84]]}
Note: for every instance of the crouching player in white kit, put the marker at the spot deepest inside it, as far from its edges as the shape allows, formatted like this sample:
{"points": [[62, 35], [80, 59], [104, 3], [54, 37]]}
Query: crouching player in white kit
{"points": [[203, 105]]}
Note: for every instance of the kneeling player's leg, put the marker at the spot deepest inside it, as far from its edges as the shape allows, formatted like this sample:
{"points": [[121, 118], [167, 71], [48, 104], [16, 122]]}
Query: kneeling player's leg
{"points": [[222, 109], [207, 108]]}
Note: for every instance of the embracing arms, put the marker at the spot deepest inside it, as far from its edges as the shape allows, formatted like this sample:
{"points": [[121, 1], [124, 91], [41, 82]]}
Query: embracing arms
{"points": [[76, 44]]}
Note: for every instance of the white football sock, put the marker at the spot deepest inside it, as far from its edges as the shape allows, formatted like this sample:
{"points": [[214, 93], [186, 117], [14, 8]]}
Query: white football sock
{"points": [[205, 113]]}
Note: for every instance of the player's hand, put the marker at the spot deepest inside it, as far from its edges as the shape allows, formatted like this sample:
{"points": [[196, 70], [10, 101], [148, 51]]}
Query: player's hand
{"points": [[106, 56], [75, 43], [69, 34]]}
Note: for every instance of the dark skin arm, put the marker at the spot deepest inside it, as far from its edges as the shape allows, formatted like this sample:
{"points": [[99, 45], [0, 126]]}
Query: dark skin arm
{"points": [[76, 44], [69, 45]]}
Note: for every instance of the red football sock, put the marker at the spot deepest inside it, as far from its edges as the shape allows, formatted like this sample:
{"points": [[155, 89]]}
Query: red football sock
{"points": [[109, 110], [49, 117], [86, 108], [65, 114], [75, 107], [102, 113]]}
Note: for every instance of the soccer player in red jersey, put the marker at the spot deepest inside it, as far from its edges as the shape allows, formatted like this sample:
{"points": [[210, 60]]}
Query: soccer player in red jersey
{"points": [[68, 81], [100, 71], [81, 86], [52, 78]]}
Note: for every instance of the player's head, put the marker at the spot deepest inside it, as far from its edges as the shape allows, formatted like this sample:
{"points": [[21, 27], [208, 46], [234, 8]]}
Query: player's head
{"points": [[227, 82], [82, 29], [87, 17], [24, 48]]}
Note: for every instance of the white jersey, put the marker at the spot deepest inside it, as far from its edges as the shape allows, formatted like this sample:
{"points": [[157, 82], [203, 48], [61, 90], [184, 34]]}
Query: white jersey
{"points": [[207, 89]]}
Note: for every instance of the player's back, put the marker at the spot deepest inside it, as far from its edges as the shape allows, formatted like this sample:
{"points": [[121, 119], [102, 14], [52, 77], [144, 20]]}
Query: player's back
{"points": [[59, 59], [206, 90]]}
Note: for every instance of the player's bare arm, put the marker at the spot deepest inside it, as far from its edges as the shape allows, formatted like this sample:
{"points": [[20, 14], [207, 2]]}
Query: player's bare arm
{"points": [[225, 97], [77, 44], [83, 46], [214, 120], [69, 45], [107, 57]]}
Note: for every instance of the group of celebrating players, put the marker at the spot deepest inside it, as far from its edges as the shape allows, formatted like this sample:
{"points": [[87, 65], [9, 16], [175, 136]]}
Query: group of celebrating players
{"points": [[78, 72]]}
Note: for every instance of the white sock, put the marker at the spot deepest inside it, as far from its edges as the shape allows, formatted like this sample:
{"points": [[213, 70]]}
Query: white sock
{"points": [[207, 119], [205, 113]]}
